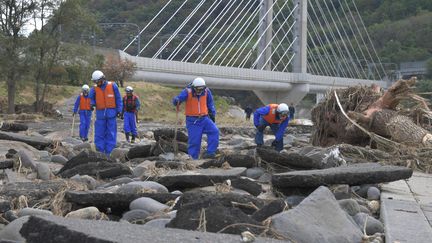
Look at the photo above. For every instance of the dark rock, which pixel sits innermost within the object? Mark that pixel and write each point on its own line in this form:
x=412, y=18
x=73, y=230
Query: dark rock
x=170, y=164
x=202, y=199
x=101, y=170
x=294, y=200
x=248, y=185
x=26, y=160
x=4, y=205
x=10, y=215
x=118, y=202
x=351, y=175
x=362, y=189
x=350, y=206
x=178, y=180
x=58, y=158
x=292, y=160
x=6, y=164
x=83, y=157
x=274, y=207
x=217, y=217
x=216, y=163
x=13, y=127
x=168, y=134
x=37, y=142
x=140, y=151
x=372, y=225
x=135, y=215
x=240, y=160
x=341, y=191
x=119, y=181
x=10, y=154
x=317, y=219
x=166, y=146
x=254, y=172
x=373, y=193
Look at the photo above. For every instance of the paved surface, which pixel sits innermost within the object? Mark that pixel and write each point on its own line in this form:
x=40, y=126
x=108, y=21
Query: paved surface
x=406, y=209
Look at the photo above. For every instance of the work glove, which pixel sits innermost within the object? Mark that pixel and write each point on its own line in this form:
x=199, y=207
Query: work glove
x=119, y=114
x=92, y=108
x=176, y=101
x=212, y=117
x=122, y=116
x=261, y=127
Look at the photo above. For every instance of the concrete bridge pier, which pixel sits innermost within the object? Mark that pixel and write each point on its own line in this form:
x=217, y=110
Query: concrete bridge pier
x=319, y=97
x=295, y=95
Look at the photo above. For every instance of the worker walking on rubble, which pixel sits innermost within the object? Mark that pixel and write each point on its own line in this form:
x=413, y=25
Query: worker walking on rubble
x=108, y=101
x=273, y=115
x=200, y=117
x=82, y=104
x=131, y=105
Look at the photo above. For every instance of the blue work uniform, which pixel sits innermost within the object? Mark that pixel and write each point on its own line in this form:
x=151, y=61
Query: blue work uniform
x=85, y=118
x=106, y=123
x=129, y=125
x=277, y=129
x=197, y=125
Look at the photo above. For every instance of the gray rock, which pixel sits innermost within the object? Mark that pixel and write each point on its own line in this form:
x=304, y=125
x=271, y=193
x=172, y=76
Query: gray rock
x=26, y=159
x=167, y=156
x=265, y=178
x=372, y=225
x=119, y=181
x=318, y=218
x=91, y=213
x=119, y=154
x=12, y=231
x=5, y=205
x=86, y=179
x=341, y=191
x=43, y=171
x=294, y=200
x=373, y=193
x=147, y=204
x=33, y=212
x=151, y=185
x=44, y=155
x=82, y=146
x=350, y=206
x=254, y=172
x=138, y=171
x=58, y=158
x=365, y=210
x=158, y=223
x=135, y=215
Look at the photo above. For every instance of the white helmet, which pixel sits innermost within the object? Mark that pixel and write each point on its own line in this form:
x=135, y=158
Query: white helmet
x=85, y=88
x=198, y=82
x=129, y=89
x=97, y=75
x=282, y=108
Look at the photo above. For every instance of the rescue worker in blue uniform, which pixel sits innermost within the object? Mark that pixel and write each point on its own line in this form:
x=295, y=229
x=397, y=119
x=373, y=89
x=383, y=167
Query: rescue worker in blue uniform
x=108, y=101
x=200, y=117
x=131, y=105
x=82, y=104
x=273, y=115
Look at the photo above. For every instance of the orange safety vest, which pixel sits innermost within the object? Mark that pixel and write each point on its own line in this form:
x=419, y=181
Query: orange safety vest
x=105, y=98
x=271, y=116
x=195, y=107
x=84, y=103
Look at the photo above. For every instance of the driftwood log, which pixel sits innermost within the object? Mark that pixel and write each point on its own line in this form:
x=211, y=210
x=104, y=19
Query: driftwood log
x=373, y=110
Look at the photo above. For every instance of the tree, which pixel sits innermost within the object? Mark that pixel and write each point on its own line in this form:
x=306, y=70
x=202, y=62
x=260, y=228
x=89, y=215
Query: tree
x=45, y=44
x=119, y=70
x=13, y=16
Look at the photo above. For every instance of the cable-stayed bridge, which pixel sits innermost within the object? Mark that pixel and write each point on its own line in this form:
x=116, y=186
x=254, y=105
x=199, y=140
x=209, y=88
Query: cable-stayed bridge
x=280, y=49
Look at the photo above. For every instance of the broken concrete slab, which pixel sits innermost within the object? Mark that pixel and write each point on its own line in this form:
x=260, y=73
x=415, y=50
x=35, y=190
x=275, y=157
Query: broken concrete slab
x=318, y=218
x=352, y=175
x=57, y=229
x=35, y=141
x=178, y=180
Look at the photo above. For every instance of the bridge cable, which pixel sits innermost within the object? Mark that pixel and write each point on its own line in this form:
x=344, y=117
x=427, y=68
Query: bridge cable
x=210, y=44
x=161, y=28
x=195, y=28
x=231, y=32
x=311, y=57
x=338, y=67
x=262, y=34
x=349, y=40
x=286, y=51
x=338, y=48
x=370, y=40
x=312, y=66
x=323, y=47
x=134, y=39
x=352, y=30
x=179, y=29
x=208, y=30
x=239, y=34
x=248, y=39
x=324, y=63
x=342, y=39
x=273, y=36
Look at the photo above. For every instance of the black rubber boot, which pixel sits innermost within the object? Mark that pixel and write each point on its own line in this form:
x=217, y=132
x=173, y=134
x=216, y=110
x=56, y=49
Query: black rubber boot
x=127, y=137
x=133, y=139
